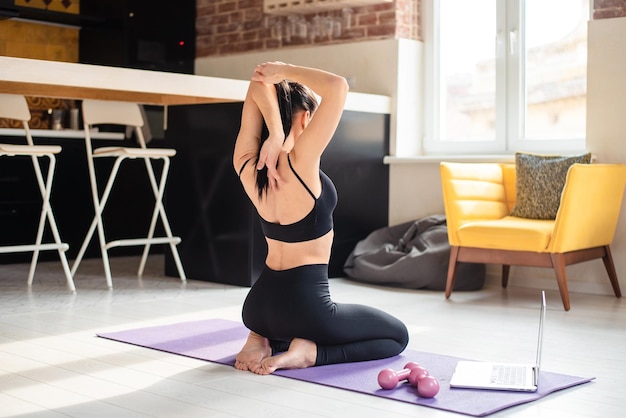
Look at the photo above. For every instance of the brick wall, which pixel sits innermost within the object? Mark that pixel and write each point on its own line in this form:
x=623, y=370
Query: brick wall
x=235, y=26
x=605, y=9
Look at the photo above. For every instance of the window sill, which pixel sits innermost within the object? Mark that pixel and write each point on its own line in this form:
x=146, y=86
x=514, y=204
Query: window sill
x=431, y=159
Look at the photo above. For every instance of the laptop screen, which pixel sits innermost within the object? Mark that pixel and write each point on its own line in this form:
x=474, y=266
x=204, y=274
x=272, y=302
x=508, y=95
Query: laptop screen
x=542, y=318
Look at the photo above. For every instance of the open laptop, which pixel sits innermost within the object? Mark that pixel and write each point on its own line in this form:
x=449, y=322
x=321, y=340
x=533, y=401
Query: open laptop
x=501, y=376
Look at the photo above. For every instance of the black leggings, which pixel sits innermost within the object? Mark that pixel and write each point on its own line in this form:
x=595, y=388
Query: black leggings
x=296, y=303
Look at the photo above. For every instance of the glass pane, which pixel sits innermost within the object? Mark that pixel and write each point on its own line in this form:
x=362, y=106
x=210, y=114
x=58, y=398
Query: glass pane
x=555, y=68
x=468, y=73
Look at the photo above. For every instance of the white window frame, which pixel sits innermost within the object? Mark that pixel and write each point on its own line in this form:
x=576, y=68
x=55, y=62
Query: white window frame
x=509, y=90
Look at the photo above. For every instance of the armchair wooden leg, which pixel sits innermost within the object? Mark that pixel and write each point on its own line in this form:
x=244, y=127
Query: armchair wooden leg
x=610, y=269
x=454, y=253
x=558, y=262
x=505, y=275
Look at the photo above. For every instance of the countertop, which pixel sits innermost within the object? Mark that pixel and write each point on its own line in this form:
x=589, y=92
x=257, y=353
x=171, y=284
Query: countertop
x=31, y=77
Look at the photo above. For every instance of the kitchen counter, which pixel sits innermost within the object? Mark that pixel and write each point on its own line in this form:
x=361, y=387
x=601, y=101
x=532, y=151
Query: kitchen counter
x=65, y=80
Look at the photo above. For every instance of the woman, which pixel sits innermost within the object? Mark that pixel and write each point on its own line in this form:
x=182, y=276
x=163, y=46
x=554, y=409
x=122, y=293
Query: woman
x=292, y=320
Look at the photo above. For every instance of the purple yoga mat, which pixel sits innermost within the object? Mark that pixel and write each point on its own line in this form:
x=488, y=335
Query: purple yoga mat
x=219, y=341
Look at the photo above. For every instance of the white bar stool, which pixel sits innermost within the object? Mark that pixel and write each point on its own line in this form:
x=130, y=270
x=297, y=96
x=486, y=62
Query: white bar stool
x=14, y=106
x=127, y=114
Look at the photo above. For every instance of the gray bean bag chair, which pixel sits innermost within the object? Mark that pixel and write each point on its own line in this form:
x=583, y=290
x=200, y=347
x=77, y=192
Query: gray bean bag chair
x=411, y=255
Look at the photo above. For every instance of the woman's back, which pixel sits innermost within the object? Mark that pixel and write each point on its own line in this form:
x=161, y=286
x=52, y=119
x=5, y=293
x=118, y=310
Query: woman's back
x=284, y=182
x=296, y=217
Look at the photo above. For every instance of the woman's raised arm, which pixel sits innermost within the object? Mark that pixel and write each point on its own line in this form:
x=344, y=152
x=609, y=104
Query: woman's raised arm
x=261, y=104
x=332, y=89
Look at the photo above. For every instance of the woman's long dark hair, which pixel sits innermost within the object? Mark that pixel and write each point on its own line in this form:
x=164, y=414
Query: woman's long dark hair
x=292, y=98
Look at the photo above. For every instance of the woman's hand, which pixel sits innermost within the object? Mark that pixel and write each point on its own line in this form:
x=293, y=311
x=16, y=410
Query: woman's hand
x=268, y=157
x=269, y=72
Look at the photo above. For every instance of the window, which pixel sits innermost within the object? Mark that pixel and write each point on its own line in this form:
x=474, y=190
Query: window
x=505, y=75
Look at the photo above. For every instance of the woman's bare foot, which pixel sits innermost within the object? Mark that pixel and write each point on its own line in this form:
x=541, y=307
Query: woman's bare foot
x=301, y=354
x=253, y=352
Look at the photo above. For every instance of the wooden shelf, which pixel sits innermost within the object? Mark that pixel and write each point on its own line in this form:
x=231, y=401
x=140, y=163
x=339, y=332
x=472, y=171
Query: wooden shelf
x=287, y=7
x=62, y=133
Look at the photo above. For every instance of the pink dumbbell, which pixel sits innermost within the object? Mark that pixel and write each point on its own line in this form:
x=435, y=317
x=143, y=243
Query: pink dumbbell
x=389, y=378
x=427, y=387
x=416, y=374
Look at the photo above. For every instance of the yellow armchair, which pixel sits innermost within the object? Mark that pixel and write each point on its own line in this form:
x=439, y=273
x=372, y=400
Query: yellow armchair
x=479, y=197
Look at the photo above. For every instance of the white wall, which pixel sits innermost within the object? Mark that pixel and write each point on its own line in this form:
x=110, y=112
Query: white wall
x=370, y=66
x=386, y=67
x=606, y=121
x=393, y=68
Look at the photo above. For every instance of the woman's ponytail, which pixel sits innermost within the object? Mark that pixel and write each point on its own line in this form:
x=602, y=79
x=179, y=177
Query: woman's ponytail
x=283, y=93
x=292, y=97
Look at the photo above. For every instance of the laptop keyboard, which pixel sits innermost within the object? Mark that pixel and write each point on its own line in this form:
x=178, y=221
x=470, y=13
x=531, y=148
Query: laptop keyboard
x=509, y=375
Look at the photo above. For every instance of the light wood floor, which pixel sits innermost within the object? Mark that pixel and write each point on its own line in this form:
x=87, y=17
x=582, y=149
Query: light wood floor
x=52, y=365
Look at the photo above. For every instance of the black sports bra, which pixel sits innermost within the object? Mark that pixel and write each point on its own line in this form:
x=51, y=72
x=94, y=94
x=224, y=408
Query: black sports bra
x=315, y=224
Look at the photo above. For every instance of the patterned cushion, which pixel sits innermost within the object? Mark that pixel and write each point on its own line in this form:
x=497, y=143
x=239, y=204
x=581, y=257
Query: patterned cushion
x=539, y=182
